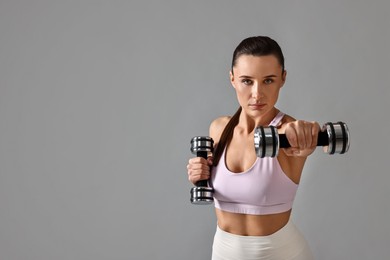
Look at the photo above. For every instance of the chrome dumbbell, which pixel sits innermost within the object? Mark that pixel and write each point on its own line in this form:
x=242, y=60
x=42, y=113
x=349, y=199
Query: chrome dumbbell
x=202, y=194
x=334, y=137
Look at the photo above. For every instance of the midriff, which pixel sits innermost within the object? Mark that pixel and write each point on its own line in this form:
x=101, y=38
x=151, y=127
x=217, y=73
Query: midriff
x=251, y=225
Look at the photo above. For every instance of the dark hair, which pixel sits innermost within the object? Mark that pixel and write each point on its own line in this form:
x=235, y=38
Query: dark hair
x=256, y=46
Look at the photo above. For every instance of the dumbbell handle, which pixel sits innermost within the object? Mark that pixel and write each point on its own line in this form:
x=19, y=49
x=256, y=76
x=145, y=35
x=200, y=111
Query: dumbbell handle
x=323, y=140
x=202, y=183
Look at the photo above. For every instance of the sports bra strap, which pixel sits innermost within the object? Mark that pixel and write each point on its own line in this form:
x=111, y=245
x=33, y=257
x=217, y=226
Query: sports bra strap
x=277, y=119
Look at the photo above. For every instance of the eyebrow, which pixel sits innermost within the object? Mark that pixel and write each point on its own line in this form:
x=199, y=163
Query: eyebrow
x=268, y=76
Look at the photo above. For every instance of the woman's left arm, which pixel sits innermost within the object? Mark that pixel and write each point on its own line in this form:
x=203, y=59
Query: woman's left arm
x=302, y=136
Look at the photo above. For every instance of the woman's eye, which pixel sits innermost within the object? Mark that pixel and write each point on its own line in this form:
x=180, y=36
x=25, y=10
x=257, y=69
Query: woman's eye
x=268, y=81
x=247, y=81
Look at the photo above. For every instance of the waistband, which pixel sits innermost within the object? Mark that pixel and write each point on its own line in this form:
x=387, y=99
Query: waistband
x=286, y=243
x=251, y=209
x=286, y=232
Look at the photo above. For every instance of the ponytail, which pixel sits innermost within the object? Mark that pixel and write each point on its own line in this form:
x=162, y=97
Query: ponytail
x=226, y=136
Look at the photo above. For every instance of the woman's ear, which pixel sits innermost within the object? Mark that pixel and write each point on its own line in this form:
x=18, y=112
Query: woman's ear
x=231, y=75
x=284, y=75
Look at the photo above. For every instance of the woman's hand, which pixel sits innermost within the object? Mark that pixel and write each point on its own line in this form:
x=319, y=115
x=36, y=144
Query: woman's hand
x=302, y=136
x=199, y=169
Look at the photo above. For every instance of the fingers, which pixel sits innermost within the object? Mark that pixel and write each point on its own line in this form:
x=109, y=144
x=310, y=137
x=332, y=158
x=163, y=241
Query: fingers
x=314, y=133
x=198, y=168
x=302, y=136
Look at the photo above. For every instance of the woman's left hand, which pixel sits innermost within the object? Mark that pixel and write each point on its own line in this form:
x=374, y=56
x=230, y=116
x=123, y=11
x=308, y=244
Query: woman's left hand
x=302, y=136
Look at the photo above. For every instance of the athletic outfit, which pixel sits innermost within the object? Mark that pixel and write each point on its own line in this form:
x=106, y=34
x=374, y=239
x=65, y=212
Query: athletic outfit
x=261, y=190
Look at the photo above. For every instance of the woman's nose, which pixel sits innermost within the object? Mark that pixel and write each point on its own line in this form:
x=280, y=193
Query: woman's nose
x=257, y=91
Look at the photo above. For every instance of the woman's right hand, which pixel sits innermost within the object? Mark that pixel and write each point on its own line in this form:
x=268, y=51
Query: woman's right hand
x=198, y=169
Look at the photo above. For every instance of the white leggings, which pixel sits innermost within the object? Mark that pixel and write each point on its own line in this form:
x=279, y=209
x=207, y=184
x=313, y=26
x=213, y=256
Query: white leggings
x=286, y=244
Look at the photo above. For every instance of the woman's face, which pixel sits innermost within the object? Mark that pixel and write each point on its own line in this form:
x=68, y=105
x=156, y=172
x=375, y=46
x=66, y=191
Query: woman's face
x=257, y=81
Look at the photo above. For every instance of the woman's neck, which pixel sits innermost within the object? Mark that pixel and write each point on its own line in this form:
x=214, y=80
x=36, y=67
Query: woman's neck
x=248, y=124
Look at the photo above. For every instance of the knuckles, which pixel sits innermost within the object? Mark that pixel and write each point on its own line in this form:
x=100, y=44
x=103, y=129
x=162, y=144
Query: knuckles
x=300, y=125
x=302, y=134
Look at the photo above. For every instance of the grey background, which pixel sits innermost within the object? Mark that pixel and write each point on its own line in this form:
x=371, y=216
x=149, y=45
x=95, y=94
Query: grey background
x=99, y=100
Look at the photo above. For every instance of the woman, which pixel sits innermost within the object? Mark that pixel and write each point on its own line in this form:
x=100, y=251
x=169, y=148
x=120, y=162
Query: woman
x=253, y=196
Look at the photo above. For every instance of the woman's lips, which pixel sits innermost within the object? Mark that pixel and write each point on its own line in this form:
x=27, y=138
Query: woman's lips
x=257, y=106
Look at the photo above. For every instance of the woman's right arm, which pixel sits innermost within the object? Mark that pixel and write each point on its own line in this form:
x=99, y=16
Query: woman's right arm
x=198, y=168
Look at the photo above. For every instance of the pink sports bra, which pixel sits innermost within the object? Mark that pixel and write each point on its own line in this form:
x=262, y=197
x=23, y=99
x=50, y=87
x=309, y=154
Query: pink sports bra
x=261, y=190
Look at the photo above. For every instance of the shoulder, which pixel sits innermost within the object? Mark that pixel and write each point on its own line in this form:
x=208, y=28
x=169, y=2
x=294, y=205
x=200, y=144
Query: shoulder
x=217, y=126
x=285, y=120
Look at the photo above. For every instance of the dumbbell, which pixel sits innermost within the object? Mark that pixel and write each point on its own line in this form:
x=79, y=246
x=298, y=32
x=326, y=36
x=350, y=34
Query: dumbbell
x=202, y=194
x=334, y=137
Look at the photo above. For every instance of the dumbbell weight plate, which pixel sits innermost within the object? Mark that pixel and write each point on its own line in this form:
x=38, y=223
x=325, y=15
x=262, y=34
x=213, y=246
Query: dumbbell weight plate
x=202, y=195
x=201, y=144
x=338, y=136
x=266, y=141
